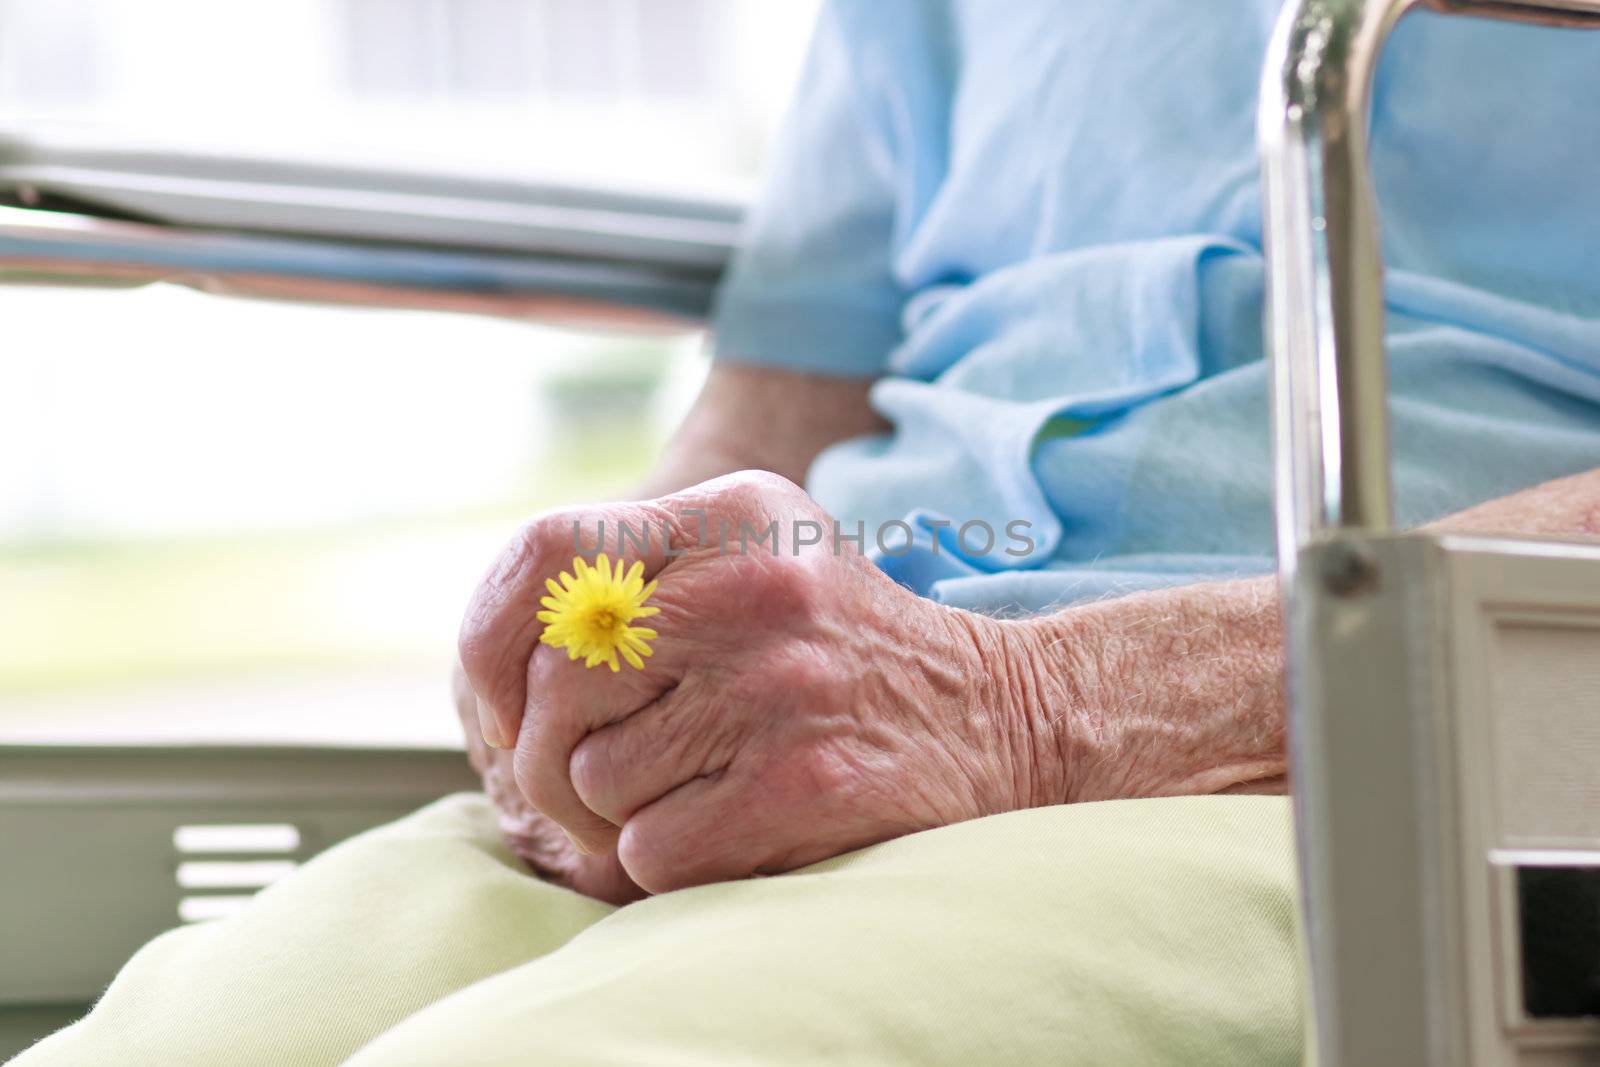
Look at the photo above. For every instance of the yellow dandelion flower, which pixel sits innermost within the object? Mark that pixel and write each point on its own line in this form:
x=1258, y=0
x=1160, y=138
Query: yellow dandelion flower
x=591, y=614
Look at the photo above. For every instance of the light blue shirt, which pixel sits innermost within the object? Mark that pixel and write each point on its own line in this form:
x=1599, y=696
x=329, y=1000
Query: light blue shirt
x=1037, y=223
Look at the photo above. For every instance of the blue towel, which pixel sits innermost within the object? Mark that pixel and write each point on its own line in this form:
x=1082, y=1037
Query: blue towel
x=1037, y=225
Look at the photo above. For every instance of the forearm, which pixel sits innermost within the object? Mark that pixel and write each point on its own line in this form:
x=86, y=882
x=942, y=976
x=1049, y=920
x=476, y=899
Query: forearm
x=1165, y=693
x=757, y=418
x=1181, y=691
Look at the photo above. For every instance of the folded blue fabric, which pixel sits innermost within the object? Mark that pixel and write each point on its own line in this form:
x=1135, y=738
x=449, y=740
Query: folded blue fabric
x=1038, y=225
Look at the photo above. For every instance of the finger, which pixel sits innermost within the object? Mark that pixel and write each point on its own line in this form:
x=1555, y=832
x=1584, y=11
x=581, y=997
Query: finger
x=567, y=701
x=760, y=815
x=560, y=685
x=501, y=628
x=727, y=825
x=706, y=830
x=685, y=734
x=538, y=746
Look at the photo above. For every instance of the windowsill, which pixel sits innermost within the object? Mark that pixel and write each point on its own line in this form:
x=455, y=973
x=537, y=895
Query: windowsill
x=373, y=709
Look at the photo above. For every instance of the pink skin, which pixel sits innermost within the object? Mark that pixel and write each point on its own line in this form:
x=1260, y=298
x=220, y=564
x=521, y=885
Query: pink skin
x=802, y=706
x=796, y=707
x=535, y=839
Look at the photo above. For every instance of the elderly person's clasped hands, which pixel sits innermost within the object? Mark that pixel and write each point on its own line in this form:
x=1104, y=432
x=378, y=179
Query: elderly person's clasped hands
x=798, y=703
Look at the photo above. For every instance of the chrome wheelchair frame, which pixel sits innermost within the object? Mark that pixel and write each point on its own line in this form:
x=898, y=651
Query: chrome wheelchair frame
x=1444, y=691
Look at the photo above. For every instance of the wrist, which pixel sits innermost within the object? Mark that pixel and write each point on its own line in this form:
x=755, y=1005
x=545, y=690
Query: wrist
x=1020, y=691
x=1167, y=693
x=1053, y=668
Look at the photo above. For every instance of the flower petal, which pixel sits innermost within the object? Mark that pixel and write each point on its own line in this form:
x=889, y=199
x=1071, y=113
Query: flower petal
x=590, y=612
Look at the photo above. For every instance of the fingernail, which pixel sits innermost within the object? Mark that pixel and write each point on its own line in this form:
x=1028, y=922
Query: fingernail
x=579, y=845
x=489, y=725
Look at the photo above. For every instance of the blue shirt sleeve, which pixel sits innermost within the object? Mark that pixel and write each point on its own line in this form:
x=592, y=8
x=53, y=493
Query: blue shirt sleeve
x=811, y=287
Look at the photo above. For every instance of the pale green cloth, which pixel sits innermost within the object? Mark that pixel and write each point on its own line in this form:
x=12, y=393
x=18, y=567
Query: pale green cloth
x=1136, y=932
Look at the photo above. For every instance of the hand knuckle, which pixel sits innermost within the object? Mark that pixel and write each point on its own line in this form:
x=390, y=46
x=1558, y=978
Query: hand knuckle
x=753, y=491
x=592, y=770
x=472, y=644
x=641, y=854
x=740, y=497
x=538, y=541
x=818, y=769
x=770, y=482
x=534, y=784
x=542, y=676
x=779, y=587
x=480, y=639
x=799, y=674
x=549, y=538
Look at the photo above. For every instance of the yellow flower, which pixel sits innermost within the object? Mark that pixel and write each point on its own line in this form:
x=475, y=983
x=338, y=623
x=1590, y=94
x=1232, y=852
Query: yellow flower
x=591, y=615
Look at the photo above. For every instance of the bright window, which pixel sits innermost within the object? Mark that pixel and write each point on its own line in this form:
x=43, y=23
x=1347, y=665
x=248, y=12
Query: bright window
x=677, y=94
x=231, y=519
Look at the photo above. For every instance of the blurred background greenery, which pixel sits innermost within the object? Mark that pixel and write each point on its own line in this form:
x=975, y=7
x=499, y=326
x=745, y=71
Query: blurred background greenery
x=229, y=519
x=234, y=520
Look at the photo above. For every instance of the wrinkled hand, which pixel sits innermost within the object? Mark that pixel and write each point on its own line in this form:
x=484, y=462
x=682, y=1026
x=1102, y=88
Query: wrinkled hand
x=536, y=840
x=797, y=705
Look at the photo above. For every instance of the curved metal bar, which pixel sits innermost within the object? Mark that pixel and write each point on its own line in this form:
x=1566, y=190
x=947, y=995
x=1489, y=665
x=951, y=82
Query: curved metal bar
x=1325, y=270
x=91, y=209
x=1325, y=324
x=62, y=249
x=1325, y=284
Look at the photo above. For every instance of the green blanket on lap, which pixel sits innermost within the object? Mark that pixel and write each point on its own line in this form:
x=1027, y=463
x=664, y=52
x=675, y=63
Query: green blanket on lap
x=1135, y=932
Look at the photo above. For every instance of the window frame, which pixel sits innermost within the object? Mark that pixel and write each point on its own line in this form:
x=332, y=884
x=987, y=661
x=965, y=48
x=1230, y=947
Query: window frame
x=86, y=211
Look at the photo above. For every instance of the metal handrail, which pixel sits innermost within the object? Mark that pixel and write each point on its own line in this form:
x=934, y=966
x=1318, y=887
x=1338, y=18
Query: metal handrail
x=66, y=248
x=1324, y=266
x=1325, y=335
x=85, y=212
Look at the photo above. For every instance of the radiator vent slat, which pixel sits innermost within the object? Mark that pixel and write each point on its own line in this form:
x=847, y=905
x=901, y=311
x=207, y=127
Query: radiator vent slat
x=225, y=874
x=246, y=838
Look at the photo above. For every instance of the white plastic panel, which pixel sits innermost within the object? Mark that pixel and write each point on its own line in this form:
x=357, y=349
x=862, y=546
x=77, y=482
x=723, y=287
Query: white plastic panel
x=1546, y=731
x=106, y=847
x=1522, y=645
